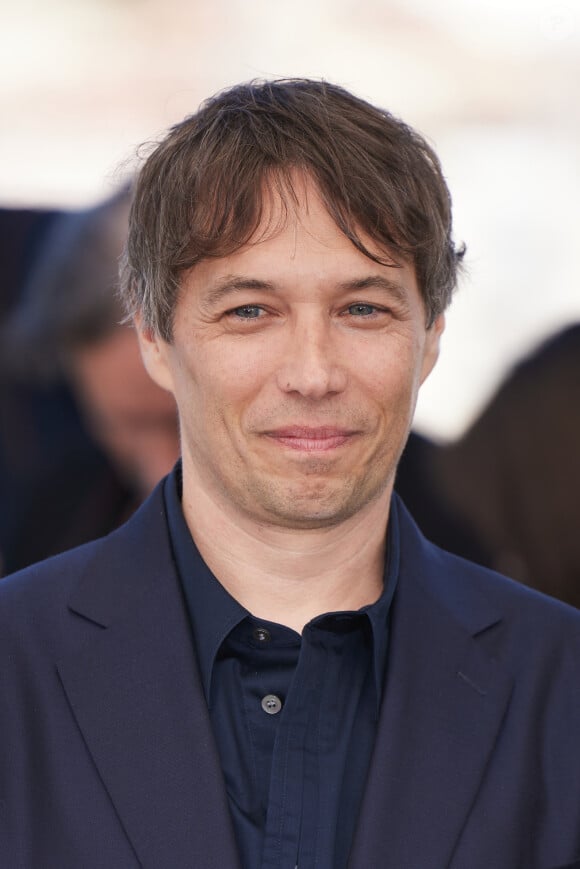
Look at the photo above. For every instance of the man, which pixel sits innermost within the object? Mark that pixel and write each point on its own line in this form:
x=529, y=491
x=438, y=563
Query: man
x=268, y=666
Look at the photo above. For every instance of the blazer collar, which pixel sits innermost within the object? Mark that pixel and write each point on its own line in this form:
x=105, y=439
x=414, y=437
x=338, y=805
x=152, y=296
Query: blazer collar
x=444, y=702
x=135, y=691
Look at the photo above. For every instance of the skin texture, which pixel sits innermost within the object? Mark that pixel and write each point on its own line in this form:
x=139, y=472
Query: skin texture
x=295, y=364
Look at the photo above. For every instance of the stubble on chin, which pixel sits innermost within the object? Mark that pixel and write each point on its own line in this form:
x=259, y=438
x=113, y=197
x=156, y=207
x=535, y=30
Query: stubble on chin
x=308, y=503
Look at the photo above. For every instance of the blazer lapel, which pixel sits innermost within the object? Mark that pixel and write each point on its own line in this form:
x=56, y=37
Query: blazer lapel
x=443, y=706
x=136, y=694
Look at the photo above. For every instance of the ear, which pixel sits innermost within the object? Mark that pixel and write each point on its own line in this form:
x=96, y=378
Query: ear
x=155, y=354
x=432, y=344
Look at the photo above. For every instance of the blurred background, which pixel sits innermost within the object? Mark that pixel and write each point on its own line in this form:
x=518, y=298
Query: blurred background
x=493, y=84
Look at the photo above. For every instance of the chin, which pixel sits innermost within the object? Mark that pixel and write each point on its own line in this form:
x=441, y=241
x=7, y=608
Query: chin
x=306, y=521
x=316, y=504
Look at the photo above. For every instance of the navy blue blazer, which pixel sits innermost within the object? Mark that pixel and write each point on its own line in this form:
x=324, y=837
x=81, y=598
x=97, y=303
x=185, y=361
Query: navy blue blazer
x=106, y=752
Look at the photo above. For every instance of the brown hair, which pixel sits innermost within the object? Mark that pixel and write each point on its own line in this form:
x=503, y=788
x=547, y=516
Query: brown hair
x=200, y=192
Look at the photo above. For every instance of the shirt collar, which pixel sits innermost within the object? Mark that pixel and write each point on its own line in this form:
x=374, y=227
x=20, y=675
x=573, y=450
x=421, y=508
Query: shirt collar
x=378, y=612
x=214, y=612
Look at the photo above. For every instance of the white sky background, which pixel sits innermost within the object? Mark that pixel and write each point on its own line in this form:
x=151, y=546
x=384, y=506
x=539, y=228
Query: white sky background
x=493, y=85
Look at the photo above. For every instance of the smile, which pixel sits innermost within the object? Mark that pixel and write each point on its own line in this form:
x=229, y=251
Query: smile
x=319, y=439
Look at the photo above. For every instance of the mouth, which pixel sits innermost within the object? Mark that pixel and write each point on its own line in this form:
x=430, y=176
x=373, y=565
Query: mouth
x=311, y=439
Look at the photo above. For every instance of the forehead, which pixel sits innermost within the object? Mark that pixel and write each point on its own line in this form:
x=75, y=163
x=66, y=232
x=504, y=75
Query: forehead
x=292, y=202
x=297, y=240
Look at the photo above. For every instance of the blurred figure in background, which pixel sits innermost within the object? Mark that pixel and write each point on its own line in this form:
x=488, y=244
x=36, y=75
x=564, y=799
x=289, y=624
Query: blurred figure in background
x=65, y=334
x=440, y=521
x=515, y=476
x=22, y=234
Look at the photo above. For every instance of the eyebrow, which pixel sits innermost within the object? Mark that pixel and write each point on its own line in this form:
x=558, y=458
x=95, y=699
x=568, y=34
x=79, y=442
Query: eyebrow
x=377, y=282
x=234, y=284
x=238, y=283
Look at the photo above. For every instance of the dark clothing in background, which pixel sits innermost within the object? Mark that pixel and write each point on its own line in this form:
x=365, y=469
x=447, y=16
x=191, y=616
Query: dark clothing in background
x=57, y=489
x=22, y=232
x=514, y=477
x=294, y=717
x=433, y=510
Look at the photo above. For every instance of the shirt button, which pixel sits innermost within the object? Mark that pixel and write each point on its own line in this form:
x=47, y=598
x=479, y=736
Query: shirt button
x=271, y=704
x=262, y=635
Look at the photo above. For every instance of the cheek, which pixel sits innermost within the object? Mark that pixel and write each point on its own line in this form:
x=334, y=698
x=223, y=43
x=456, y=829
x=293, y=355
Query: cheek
x=217, y=385
x=390, y=381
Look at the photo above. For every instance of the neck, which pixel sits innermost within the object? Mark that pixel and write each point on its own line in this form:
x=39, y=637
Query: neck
x=286, y=575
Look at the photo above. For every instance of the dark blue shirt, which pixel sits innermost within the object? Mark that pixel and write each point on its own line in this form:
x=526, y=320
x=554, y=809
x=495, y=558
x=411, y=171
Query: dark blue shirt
x=294, y=716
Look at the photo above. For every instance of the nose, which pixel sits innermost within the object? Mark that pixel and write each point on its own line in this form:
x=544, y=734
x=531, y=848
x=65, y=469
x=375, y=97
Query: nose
x=311, y=365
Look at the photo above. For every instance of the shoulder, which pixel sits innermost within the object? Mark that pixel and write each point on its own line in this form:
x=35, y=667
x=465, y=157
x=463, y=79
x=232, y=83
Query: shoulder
x=478, y=597
x=35, y=621
x=464, y=584
x=44, y=582
x=35, y=602
x=451, y=614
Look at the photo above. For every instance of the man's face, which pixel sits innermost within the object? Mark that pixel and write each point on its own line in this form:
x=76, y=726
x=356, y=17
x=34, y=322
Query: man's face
x=296, y=363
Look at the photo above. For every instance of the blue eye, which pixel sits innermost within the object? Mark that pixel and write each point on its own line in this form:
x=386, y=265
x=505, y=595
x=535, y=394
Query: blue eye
x=247, y=312
x=360, y=310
